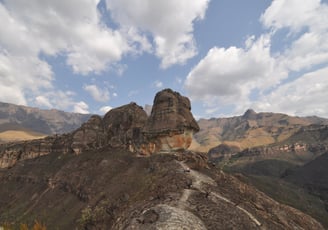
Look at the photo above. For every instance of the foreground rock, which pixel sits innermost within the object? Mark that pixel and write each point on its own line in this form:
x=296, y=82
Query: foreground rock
x=112, y=189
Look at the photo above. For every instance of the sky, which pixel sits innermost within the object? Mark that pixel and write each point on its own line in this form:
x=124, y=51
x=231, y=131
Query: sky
x=227, y=56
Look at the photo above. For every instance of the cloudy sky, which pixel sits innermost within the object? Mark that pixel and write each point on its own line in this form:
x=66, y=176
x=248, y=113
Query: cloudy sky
x=88, y=56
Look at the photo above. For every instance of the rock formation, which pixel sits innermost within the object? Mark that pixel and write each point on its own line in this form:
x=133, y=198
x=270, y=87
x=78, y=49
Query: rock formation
x=123, y=126
x=171, y=125
x=89, y=136
x=169, y=128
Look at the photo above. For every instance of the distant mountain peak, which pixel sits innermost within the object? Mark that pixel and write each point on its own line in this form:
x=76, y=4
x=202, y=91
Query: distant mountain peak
x=250, y=114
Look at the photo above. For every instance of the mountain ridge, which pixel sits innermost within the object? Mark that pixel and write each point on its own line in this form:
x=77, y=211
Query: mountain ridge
x=250, y=129
x=31, y=119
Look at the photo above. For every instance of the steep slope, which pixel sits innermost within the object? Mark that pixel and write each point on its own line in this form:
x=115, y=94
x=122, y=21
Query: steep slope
x=300, y=148
x=250, y=130
x=312, y=176
x=113, y=189
x=293, y=171
x=46, y=122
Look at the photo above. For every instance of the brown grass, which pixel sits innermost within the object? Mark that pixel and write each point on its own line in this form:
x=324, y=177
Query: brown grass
x=17, y=135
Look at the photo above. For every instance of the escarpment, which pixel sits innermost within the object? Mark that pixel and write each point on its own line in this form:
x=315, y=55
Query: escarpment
x=170, y=127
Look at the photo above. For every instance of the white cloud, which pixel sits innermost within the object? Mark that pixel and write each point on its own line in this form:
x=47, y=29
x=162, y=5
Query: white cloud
x=20, y=76
x=256, y=77
x=12, y=95
x=71, y=29
x=158, y=84
x=100, y=95
x=105, y=109
x=229, y=75
x=81, y=107
x=305, y=96
x=63, y=100
x=310, y=48
x=290, y=13
x=169, y=22
x=43, y=101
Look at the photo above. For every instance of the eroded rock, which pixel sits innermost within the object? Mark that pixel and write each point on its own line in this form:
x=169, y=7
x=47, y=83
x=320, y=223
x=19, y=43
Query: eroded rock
x=171, y=124
x=89, y=136
x=123, y=126
x=170, y=127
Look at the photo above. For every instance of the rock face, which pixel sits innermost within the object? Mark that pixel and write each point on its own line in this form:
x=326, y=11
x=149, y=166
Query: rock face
x=171, y=125
x=169, y=128
x=123, y=126
x=89, y=136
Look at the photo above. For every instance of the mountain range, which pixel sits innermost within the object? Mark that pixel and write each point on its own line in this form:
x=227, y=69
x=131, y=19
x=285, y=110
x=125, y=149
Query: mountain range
x=21, y=122
x=250, y=130
x=254, y=171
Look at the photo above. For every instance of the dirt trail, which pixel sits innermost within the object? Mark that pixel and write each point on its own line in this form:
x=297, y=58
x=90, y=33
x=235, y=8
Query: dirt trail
x=198, y=182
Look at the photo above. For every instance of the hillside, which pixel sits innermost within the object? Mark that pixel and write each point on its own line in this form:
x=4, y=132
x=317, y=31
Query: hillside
x=23, y=123
x=250, y=130
x=114, y=189
x=292, y=171
x=312, y=176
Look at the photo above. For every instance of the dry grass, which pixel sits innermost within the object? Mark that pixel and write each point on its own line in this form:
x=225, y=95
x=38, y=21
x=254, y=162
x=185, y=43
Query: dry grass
x=16, y=135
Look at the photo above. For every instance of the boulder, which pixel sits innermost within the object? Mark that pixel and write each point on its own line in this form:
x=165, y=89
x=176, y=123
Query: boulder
x=171, y=124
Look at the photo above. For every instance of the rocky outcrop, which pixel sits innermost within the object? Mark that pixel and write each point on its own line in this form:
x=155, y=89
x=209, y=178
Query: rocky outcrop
x=222, y=151
x=11, y=153
x=169, y=128
x=171, y=125
x=89, y=136
x=123, y=126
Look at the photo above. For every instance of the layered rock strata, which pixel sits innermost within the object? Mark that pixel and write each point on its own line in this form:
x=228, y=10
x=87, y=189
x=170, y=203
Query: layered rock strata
x=169, y=127
x=171, y=124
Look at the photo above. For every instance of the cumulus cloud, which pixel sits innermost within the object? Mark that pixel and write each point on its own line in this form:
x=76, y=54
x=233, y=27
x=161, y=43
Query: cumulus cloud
x=100, y=95
x=229, y=75
x=105, y=109
x=158, y=84
x=255, y=76
x=43, y=101
x=81, y=107
x=72, y=29
x=306, y=95
x=63, y=100
x=309, y=48
x=22, y=75
x=170, y=24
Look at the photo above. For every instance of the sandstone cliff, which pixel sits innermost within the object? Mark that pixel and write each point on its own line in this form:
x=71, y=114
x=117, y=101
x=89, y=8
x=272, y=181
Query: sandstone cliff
x=170, y=127
x=171, y=124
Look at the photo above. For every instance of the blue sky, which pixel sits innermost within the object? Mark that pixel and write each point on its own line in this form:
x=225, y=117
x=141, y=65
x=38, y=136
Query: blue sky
x=227, y=56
